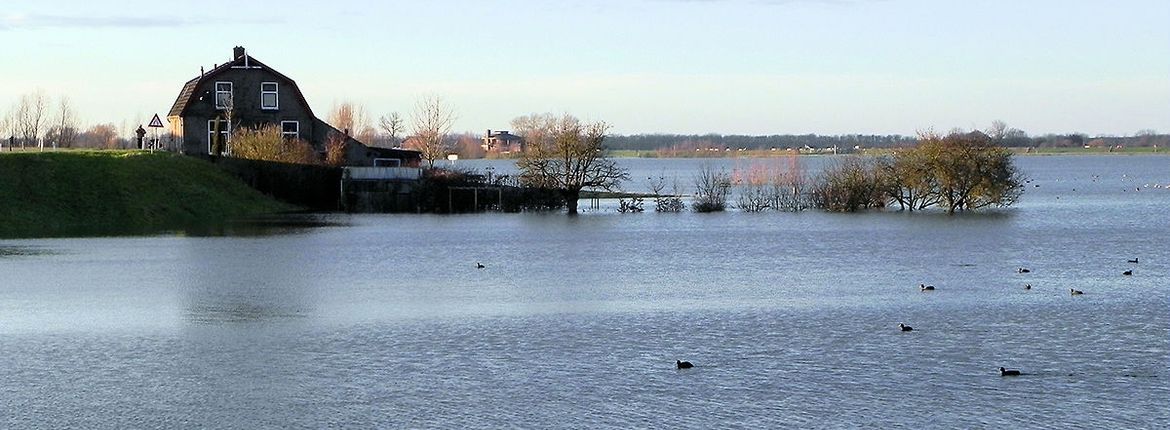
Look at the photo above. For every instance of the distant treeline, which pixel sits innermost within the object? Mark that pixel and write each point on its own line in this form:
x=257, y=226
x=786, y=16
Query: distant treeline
x=683, y=142
x=651, y=142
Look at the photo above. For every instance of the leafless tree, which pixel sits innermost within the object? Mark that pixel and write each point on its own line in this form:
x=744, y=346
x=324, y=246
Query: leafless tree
x=103, y=136
x=665, y=203
x=351, y=118
x=5, y=127
x=432, y=121
x=29, y=118
x=713, y=187
x=227, y=118
x=567, y=155
x=393, y=126
x=997, y=131
x=335, y=149
x=64, y=131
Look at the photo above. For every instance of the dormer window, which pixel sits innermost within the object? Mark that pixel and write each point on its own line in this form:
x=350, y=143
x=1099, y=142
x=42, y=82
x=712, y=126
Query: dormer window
x=223, y=95
x=268, y=96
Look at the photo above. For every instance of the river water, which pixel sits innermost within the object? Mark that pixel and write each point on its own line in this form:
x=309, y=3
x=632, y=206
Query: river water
x=790, y=318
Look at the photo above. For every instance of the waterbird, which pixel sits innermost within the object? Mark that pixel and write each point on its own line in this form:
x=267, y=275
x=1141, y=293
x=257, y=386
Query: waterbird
x=683, y=364
x=478, y=265
x=1127, y=272
x=1027, y=286
x=925, y=287
x=1008, y=372
x=1134, y=261
x=1075, y=292
x=905, y=327
x=1022, y=270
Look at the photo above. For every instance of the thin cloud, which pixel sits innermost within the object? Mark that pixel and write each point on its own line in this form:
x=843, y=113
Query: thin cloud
x=773, y=2
x=16, y=21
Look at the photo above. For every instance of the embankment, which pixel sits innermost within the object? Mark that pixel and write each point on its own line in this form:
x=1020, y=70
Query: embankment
x=82, y=193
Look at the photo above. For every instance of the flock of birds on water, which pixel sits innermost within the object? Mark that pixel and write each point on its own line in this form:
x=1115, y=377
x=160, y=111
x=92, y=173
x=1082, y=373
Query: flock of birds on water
x=680, y=364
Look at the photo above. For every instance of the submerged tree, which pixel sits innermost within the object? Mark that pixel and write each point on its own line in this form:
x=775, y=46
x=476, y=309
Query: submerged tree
x=971, y=171
x=852, y=184
x=912, y=182
x=566, y=155
x=958, y=172
x=711, y=190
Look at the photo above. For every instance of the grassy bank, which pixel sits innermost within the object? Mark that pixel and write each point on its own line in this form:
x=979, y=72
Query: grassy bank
x=115, y=192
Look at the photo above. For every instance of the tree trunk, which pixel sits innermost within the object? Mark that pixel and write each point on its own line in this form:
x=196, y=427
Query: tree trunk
x=571, y=197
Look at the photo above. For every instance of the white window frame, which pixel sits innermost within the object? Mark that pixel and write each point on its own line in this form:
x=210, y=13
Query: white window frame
x=226, y=132
x=290, y=135
x=218, y=92
x=275, y=96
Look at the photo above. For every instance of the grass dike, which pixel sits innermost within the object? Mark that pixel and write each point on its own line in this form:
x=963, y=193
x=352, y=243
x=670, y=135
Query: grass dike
x=96, y=193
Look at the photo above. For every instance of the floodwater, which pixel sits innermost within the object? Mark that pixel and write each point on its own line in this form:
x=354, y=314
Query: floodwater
x=790, y=318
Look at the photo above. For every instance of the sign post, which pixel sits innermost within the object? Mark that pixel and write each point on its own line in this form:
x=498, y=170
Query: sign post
x=155, y=124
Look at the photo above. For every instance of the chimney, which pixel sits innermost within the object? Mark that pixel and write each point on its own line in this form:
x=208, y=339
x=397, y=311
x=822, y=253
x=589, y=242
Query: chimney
x=489, y=134
x=237, y=52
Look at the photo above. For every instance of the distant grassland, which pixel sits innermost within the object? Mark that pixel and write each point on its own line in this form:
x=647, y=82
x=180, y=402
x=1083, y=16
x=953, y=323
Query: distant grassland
x=65, y=193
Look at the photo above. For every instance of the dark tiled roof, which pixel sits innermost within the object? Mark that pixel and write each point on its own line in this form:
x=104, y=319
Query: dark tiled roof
x=505, y=137
x=184, y=99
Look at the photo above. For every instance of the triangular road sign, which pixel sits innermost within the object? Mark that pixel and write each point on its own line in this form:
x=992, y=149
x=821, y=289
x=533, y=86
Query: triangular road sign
x=155, y=122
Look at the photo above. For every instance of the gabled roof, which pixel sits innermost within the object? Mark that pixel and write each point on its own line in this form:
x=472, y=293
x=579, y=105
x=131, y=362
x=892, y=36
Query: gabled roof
x=504, y=136
x=185, y=96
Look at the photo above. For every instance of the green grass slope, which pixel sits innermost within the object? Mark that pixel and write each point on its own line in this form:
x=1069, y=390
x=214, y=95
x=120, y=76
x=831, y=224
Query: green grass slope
x=115, y=192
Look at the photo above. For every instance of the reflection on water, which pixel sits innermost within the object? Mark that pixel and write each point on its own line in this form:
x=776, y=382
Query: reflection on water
x=265, y=226
x=383, y=321
x=14, y=251
x=239, y=313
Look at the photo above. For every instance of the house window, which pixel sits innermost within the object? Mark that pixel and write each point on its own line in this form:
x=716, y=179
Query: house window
x=223, y=95
x=218, y=133
x=290, y=129
x=268, y=93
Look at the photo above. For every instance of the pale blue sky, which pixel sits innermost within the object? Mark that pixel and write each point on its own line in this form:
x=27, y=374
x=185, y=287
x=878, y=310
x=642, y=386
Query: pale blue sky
x=676, y=66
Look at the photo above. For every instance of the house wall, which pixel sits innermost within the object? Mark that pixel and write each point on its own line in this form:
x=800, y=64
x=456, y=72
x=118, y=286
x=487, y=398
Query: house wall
x=195, y=106
x=246, y=110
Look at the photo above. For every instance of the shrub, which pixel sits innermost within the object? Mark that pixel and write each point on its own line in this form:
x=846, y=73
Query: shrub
x=712, y=190
x=267, y=143
x=633, y=205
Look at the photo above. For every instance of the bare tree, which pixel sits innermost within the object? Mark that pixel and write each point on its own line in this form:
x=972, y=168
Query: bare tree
x=64, y=131
x=665, y=203
x=5, y=127
x=335, y=149
x=221, y=131
x=393, y=126
x=352, y=119
x=29, y=118
x=103, y=136
x=567, y=155
x=432, y=120
x=341, y=116
x=713, y=187
x=997, y=131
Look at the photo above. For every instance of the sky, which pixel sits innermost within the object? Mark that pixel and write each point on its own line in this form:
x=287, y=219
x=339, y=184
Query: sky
x=643, y=66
